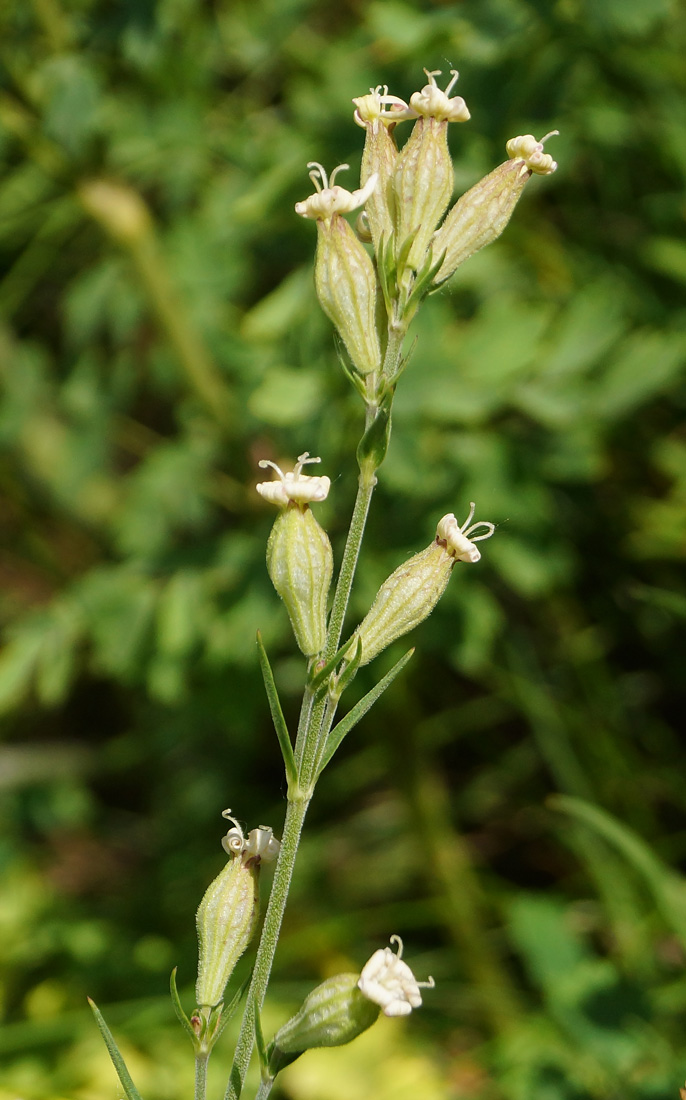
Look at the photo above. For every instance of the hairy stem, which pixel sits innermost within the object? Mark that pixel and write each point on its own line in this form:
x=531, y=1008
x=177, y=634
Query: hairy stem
x=265, y=1088
x=201, y=1060
x=366, y=484
x=295, y=816
x=315, y=722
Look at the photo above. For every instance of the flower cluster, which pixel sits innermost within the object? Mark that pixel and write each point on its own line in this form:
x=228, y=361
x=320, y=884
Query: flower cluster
x=418, y=242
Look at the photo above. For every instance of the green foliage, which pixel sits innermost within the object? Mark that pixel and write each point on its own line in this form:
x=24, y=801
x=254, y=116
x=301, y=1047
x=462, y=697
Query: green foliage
x=148, y=359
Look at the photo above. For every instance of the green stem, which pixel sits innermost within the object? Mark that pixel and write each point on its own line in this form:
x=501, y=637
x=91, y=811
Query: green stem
x=315, y=721
x=265, y=1088
x=295, y=816
x=201, y=1060
x=304, y=723
x=366, y=484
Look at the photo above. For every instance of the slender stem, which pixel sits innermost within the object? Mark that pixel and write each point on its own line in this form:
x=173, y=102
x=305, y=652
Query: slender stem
x=304, y=724
x=201, y=1060
x=266, y=1085
x=295, y=816
x=365, y=489
x=315, y=722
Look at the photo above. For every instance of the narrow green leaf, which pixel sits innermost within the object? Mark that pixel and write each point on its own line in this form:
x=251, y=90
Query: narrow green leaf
x=668, y=888
x=386, y=272
x=323, y=675
x=277, y=715
x=358, y=711
x=178, y=1009
x=350, y=671
x=233, y=1004
x=371, y=450
x=118, y=1062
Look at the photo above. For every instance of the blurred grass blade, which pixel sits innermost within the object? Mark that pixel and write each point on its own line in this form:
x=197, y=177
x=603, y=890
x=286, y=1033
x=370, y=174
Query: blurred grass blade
x=277, y=715
x=358, y=711
x=178, y=1008
x=667, y=887
x=123, y=1074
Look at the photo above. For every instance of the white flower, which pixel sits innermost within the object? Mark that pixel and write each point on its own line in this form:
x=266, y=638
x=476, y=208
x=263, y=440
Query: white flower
x=260, y=845
x=388, y=981
x=431, y=102
x=528, y=149
x=382, y=107
x=458, y=542
x=329, y=198
x=294, y=486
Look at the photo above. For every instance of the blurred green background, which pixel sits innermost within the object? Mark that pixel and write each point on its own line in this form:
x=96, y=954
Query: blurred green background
x=159, y=333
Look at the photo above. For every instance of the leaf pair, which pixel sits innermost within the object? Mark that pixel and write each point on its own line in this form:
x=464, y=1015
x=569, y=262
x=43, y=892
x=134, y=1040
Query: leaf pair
x=321, y=677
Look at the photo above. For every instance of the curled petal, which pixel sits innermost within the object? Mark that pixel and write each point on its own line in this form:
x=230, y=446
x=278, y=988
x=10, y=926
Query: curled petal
x=388, y=982
x=294, y=486
x=527, y=148
x=379, y=106
x=431, y=102
x=330, y=198
x=457, y=539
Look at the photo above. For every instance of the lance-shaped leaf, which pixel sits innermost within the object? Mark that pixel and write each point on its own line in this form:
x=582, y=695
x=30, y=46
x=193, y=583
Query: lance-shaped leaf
x=118, y=1062
x=178, y=1009
x=358, y=711
x=277, y=715
x=322, y=675
x=371, y=450
x=348, y=673
x=230, y=1010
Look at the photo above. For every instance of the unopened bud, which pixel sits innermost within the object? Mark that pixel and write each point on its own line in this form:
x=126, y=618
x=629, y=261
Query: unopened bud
x=299, y=555
x=481, y=214
x=410, y=594
x=228, y=913
x=424, y=179
x=378, y=113
x=343, y=272
x=332, y=1014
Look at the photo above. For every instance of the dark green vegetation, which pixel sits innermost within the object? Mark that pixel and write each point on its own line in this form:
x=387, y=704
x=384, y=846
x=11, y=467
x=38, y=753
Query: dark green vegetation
x=151, y=354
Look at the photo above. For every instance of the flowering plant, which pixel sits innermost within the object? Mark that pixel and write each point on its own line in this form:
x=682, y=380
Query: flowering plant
x=371, y=296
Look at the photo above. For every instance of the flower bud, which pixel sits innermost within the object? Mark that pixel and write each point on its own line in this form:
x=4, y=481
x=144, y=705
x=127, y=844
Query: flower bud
x=343, y=272
x=378, y=114
x=423, y=181
x=332, y=1014
x=228, y=913
x=410, y=594
x=481, y=214
x=345, y=282
x=299, y=555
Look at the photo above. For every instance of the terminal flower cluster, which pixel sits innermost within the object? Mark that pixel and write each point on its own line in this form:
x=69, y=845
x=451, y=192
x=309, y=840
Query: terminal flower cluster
x=404, y=198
